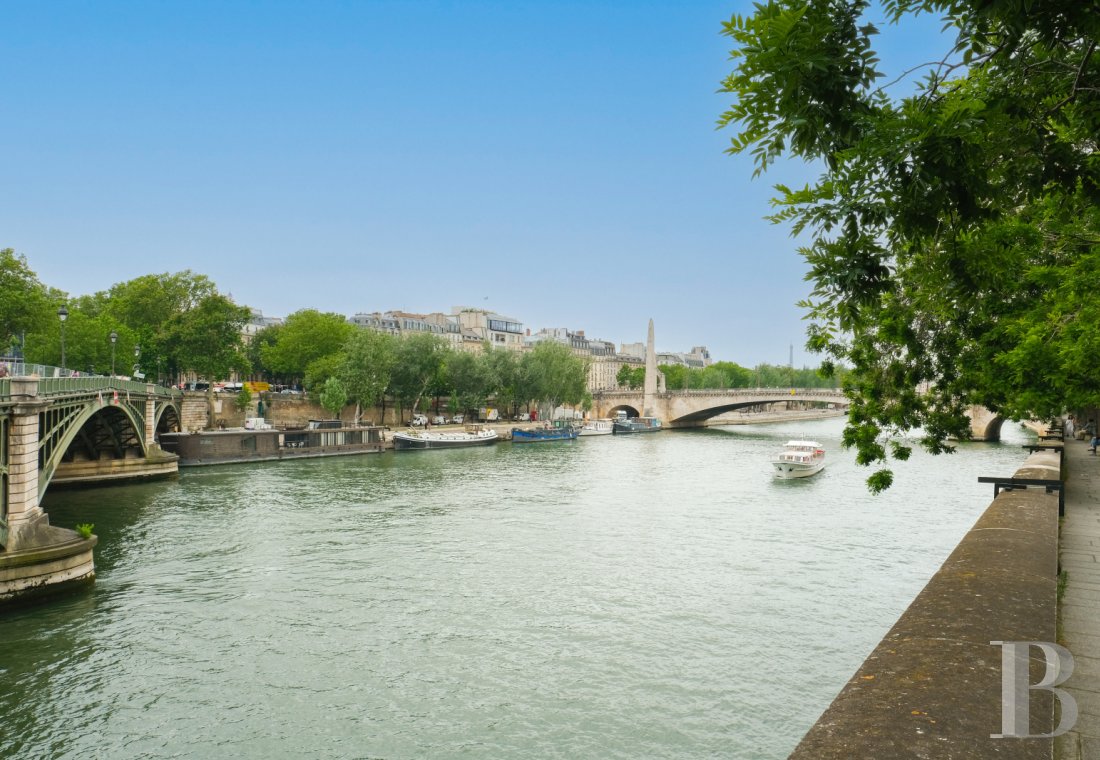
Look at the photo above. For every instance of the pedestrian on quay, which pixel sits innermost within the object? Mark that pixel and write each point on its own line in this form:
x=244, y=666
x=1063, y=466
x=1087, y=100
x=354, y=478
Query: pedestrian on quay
x=1069, y=427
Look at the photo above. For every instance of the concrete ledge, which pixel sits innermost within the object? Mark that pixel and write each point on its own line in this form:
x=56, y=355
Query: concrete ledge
x=63, y=563
x=932, y=687
x=87, y=472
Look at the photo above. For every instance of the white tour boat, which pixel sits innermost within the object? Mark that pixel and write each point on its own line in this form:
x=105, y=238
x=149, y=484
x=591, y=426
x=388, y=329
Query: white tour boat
x=799, y=459
x=596, y=427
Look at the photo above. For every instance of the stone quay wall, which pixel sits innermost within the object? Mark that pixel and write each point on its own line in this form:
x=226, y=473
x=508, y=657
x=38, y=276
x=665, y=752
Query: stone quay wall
x=933, y=687
x=281, y=411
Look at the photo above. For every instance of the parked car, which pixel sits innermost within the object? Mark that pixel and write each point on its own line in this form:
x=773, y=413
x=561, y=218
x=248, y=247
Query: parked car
x=458, y=419
x=439, y=419
x=524, y=417
x=418, y=420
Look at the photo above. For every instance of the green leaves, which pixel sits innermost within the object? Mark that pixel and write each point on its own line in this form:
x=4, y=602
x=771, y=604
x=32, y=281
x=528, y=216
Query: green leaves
x=307, y=336
x=24, y=304
x=207, y=338
x=802, y=79
x=954, y=233
x=333, y=396
x=367, y=366
x=555, y=375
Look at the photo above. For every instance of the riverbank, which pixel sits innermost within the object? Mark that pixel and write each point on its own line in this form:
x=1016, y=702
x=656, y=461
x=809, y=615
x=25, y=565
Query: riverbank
x=504, y=428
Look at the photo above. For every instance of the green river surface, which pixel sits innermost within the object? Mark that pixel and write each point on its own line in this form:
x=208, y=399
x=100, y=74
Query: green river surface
x=655, y=596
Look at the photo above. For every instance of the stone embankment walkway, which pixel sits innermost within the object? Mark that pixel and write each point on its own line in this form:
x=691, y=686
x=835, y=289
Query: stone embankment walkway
x=1079, y=610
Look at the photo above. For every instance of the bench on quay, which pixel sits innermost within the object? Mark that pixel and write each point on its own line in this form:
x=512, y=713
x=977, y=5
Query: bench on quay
x=1012, y=484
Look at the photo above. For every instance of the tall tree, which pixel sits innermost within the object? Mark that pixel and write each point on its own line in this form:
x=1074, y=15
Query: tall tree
x=333, y=396
x=207, y=340
x=506, y=379
x=305, y=337
x=367, y=369
x=261, y=341
x=420, y=357
x=955, y=232
x=24, y=302
x=143, y=308
x=470, y=379
x=557, y=376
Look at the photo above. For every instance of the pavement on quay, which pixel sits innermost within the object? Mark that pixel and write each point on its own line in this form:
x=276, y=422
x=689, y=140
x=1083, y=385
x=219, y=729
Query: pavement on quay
x=1079, y=608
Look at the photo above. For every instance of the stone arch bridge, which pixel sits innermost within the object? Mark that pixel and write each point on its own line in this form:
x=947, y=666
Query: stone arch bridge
x=692, y=408
x=75, y=430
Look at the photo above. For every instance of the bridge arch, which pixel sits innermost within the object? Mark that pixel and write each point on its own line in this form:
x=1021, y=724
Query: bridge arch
x=630, y=411
x=700, y=415
x=984, y=424
x=690, y=408
x=90, y=429
x=167, y=420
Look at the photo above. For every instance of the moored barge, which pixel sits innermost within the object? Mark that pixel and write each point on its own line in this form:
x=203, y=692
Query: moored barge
x=247, y=445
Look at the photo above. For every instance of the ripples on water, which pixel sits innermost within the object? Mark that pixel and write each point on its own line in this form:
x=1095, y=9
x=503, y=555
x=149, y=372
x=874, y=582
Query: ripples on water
x=648, y=596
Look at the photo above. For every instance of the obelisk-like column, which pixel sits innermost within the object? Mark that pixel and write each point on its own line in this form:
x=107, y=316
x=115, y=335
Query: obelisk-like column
x=649, y=399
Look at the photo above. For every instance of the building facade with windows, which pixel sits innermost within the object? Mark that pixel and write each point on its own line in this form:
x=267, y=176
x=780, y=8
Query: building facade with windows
x=495, y=329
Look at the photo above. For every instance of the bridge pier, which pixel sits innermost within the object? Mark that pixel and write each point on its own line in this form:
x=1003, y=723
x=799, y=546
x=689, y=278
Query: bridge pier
x=984, y=424
x=150, y=416
x=36, y=558
x=25, y=517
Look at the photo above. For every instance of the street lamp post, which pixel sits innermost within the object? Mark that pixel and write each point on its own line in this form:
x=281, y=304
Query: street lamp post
x=137, y=353
x=62, y=314
x=114, y=340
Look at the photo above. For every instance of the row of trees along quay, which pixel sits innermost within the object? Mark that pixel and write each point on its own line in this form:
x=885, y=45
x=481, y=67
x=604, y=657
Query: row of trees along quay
x=183, y=324
x=954, y=227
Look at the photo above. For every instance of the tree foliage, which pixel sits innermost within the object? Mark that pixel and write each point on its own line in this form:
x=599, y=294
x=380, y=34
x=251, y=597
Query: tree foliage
x=420, y=359
x=333, y=396
x=307, y=336
x=142, y=311
x=368, y=361
x=243, y=399
x=556, y=376
x=24, y=302
x=207, y=340
x=731, y=375
x=151, y=311
x=954, y=232
x=630, y=377
x=507, y=381
x=470, y=379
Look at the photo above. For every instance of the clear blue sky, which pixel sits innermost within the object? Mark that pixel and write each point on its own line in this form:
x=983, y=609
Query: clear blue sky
x=553, y=161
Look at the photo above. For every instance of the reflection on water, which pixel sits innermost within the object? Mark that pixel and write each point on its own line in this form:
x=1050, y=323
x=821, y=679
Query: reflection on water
x=640, y=596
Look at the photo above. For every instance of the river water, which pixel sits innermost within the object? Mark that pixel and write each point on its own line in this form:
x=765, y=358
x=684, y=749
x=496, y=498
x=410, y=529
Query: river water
x=620, y=597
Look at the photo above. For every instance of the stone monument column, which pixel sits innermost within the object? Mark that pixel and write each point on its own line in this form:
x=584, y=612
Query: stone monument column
x=26, y=520
x=649, y=399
